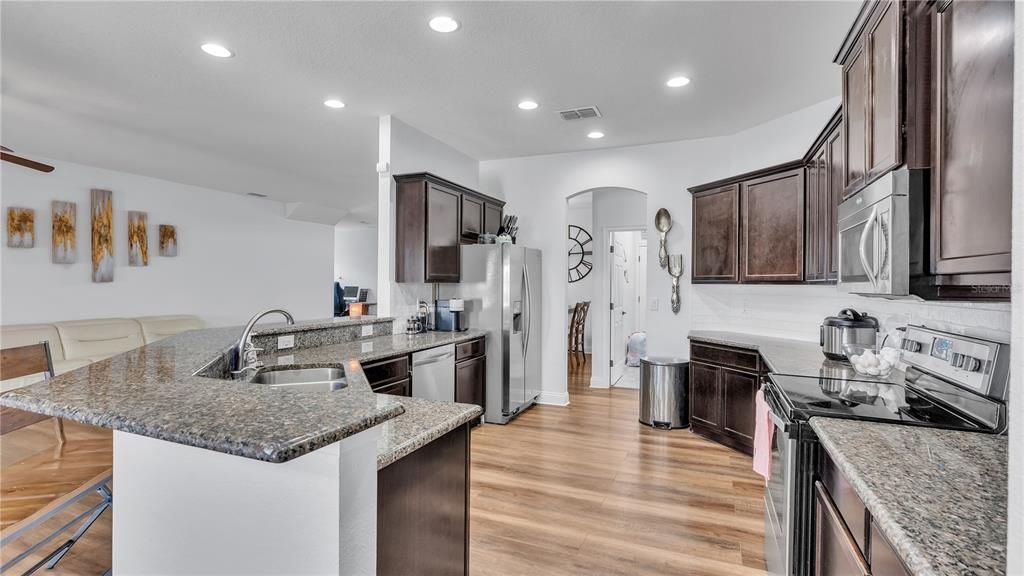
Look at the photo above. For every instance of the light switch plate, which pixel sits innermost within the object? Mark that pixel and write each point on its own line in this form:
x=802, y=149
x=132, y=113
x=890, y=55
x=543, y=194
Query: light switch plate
x=285, y=360
x=367, y=346
x=368, y=330
x=653, y=305
x=285, y=342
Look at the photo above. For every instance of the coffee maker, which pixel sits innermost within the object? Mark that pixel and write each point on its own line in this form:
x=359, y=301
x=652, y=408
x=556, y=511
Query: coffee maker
x=449, y=315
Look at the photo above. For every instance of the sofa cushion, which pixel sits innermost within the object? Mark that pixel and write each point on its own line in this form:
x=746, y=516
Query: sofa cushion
x=159, y=327
x=28, y=334
x=98, y=339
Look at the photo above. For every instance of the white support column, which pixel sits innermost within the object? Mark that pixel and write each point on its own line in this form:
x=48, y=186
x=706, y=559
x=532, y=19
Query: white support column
x=385, y=219
x=184, y=510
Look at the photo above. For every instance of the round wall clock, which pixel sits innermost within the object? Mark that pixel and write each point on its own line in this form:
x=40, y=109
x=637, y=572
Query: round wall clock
x=580, y=250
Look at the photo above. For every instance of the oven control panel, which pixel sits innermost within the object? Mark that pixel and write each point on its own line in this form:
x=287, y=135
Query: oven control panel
x=976, y=364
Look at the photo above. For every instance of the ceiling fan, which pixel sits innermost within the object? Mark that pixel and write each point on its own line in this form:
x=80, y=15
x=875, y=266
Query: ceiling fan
x=8, y=156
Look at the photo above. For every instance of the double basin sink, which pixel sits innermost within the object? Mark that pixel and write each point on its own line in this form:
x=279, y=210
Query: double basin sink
x=305, y=379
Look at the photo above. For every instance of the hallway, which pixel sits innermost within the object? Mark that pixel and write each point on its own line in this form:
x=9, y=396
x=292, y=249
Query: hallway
x=586, y=489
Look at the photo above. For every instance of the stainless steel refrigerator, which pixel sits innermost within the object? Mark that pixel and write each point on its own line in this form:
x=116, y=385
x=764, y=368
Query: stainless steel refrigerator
x=501, y=285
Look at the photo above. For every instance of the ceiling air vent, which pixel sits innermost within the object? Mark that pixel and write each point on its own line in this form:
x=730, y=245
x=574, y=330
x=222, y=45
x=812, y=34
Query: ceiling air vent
x=580, y=113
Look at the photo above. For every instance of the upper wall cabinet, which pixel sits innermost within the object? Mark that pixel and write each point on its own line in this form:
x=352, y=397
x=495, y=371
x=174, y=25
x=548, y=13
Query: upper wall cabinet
x=750, y=228
x=824, y=189
x=871, y=57
x=716, y=214
x=433, y=217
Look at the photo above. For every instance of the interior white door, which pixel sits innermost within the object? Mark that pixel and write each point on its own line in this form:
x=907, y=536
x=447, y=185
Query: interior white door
x=621, y=285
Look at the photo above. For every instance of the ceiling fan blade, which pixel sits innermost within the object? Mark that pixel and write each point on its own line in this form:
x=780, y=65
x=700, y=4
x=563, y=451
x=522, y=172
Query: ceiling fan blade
x=25, y=162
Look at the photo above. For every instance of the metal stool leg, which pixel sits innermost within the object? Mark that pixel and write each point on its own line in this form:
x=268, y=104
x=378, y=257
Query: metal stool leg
x=60, y=552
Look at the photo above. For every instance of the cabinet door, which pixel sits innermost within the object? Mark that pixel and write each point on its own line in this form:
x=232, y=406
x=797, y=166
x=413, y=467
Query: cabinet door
x=834, y=159
x=470, y=377
x=885, y=124
x=818, y=211
x=492, y=218
x=971, y=191
x=715, y=227
x=812, y=265
x=884, y=561
x=705, y=395
x=855, y=124
x=835, y=551
x=472, y=217
x=442, y=257
x=738, y=391
x=772, y=228
x=399, y=388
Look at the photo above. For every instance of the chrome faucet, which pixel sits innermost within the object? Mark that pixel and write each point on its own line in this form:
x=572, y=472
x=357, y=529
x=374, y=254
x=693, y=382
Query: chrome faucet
x=245, y=352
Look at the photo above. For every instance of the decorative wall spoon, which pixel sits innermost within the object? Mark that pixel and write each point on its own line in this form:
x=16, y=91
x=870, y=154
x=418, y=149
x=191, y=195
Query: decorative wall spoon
x=675, y=270
x=663, y=222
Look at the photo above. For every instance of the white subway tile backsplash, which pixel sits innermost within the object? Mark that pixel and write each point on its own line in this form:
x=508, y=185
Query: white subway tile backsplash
x=797, y=311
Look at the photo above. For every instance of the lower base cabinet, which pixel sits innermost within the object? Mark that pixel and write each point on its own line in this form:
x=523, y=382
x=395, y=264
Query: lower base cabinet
x=423, y=510
x=723, y=383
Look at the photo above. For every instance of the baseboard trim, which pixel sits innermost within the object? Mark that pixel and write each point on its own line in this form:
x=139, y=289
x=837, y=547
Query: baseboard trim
x=553, y=398
x=598, y=382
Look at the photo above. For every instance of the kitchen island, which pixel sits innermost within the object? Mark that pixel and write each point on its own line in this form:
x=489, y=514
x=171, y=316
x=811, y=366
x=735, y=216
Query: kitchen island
x=215, y=475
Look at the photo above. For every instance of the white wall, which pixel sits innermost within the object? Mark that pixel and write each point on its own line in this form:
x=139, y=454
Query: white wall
x=536, y=187
x=355, y=258
x=583, y=290
x=236, y=255
x=408, y=150
x=1015, y=561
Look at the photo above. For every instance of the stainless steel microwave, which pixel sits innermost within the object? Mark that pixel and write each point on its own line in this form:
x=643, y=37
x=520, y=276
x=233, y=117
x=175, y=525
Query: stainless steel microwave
x=874, y=238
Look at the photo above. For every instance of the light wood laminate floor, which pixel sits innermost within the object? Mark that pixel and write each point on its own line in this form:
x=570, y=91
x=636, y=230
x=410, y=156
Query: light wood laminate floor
x=582, y=489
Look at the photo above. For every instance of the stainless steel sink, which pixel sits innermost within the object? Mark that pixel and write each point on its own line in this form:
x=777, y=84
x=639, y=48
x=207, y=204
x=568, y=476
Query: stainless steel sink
x=311, y=379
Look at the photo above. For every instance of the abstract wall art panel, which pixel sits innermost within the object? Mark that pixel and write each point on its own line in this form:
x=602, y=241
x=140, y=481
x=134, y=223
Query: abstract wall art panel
x=102, y=236
x=65, y=232
x=21, y=227
x=138, y=240
x=168, y=240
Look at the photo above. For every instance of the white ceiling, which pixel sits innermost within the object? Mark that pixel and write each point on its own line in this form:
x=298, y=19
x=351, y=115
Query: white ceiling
x=125, y=86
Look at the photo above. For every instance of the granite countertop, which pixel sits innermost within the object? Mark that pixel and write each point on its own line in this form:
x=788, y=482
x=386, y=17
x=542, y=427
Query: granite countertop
x=938, y=496
x=785, y=356
x=151, y=391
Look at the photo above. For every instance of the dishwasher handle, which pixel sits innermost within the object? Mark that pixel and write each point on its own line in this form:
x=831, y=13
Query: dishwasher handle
x=432, y=359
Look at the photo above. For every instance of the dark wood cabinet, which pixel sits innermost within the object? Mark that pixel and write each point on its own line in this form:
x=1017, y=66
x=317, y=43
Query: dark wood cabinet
x=492, y=218
x=884, y=561
x=389, y=376
x=715, y=228
x=472, y=218
x=723, y=384
x=772, y=228
x=871, y=57
x=470, y=376
x=835, y=551
x=423, y=509
x=823, y=191
x=973, y=127
x=433, y=217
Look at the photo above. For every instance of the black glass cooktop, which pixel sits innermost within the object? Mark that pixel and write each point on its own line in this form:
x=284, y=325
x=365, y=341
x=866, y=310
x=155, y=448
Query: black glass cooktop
x=863, y=400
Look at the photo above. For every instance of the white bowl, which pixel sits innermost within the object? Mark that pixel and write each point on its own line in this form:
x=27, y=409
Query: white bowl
x=869, y=361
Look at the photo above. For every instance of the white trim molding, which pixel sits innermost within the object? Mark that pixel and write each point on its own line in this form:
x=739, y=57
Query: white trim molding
x=553, y=398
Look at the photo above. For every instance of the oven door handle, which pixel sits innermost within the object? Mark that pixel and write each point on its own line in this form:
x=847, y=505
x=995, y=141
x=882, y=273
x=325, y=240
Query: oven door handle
x=868, y=225
x=773, y=411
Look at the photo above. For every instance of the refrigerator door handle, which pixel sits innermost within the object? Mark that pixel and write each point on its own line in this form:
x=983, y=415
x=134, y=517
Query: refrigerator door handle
x=529, y=309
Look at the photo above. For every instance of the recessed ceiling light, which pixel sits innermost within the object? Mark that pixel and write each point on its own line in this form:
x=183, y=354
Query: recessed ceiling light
x=334, y=103
x=528, y=105
x=595, y=135
x=677, y=82
x=217, y=50
x=444, y=24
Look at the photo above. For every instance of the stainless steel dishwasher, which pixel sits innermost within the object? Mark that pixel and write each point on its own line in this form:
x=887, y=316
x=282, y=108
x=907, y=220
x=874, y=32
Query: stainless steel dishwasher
x=433, y=373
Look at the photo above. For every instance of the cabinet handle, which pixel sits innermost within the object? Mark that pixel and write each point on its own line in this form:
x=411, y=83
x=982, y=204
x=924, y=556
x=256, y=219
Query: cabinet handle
x=837, y=519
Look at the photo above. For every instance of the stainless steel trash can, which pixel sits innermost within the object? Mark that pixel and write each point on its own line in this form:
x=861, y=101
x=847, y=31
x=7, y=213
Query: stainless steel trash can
x=664, y=392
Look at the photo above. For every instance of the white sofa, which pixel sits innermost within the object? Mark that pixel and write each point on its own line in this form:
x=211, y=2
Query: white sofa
x=78, y=343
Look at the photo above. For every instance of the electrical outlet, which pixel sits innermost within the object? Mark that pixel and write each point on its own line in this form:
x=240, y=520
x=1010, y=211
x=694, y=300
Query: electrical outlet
x=286, y=342
x=285, y=360
x=653, y=305
x=368, y=330
x=367, y=346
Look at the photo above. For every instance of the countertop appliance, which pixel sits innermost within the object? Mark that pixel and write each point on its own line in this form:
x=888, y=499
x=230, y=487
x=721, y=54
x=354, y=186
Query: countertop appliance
x=501, y=286
x=951, y=381
x=448, y=315
x=433, y=373
x=849, y=327
x=877, y=248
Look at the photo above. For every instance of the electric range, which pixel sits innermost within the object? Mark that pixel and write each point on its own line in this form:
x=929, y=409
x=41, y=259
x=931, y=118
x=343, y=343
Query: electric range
x=950, y=381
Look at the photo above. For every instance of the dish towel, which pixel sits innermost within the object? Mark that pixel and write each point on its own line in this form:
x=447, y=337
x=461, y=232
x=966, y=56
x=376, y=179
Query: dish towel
x=764, y=428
